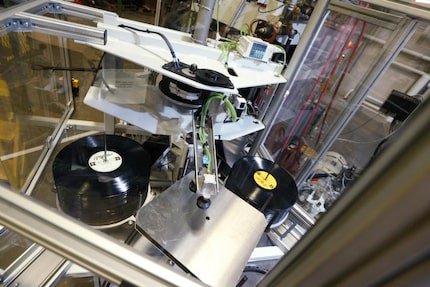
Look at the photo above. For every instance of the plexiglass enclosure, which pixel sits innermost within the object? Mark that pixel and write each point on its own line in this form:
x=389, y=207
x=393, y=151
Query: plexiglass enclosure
x=362, y=76
x=358, y=72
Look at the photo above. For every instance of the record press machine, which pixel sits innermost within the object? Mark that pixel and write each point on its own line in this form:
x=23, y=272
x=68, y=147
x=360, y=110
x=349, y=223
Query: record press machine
x=192, y=211
x=130, y=151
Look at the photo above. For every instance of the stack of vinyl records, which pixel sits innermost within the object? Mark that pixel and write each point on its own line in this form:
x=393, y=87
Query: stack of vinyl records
x=101, y=179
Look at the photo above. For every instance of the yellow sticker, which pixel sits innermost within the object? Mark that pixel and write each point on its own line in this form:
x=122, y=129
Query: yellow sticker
x=265, y=180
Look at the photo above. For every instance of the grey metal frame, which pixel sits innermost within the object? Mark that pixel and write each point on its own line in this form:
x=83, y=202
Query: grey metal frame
x=394, y=45
x=84, y=246
x=24, y=21
x=403, y=28
x=377, y=233
x=290, y=73
x=37, y=266
x=27, y=17
x=403, y=8
x=117, y=262
x=322, y=8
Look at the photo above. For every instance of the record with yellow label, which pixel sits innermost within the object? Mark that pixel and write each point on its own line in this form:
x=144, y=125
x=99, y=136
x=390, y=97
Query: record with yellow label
x=262, y=183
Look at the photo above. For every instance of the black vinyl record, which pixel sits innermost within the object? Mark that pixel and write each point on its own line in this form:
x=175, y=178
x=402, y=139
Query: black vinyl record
x=99, y=185
x=263, y=184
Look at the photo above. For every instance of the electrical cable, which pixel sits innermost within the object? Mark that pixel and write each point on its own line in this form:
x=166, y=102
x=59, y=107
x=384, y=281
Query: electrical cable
x=308, y=101
x=284, y=62
x=361, y=125
x=256, y=269
x=226, y=47
x=367, y=142
x=202, y=135
x=349, y=62
x=270, y=11
x=248, y=30
x=169, y=45
x=292, y=156
x=242, y=281
x=331, y=76
x=99, y=67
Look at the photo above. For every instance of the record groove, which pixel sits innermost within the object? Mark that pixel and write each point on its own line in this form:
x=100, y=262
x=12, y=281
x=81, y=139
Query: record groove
x=99, y=189
x=263, y=184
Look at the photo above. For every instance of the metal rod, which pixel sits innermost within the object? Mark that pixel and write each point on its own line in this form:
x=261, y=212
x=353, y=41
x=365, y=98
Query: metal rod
x=375, y=214
x=29, y=22
x=237, y=13
x=105, y=150
x=89, y=248
x=393, y=47
x=405, y=9
x=292, y=71
x=204, y=17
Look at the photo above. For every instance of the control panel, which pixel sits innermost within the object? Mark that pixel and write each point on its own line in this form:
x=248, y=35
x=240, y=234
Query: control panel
x=255, y=48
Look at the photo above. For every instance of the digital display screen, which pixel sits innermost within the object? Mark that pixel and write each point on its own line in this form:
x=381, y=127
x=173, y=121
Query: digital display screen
x=258, y=50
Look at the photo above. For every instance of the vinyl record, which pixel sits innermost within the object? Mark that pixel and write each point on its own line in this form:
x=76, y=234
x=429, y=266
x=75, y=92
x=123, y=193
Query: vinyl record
x=181, y=93
x=263, y=184
x=98, y=187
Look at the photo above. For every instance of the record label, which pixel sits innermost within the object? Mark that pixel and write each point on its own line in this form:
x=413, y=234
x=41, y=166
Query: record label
x=105, y=161
x=262, y=183
x=265, y=180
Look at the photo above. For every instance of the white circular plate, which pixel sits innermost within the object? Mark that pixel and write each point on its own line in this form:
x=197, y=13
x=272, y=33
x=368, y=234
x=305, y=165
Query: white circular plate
x=102, y=162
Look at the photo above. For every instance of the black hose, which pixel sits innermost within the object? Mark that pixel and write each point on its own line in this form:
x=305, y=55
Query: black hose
x=169, y=45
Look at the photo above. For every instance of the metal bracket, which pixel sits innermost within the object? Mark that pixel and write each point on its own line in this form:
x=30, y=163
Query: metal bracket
x=55, y=8
x=27, y=22
x=36, y=267
x=18, y=25
x=33, y=19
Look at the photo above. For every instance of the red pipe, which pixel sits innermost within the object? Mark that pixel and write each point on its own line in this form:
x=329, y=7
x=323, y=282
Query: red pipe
x=307, y=102
x=353, y=53
x=331, y=77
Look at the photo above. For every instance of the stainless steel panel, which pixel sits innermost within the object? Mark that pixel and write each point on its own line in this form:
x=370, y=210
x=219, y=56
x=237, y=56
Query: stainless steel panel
x=87, y=247
x=214, y=244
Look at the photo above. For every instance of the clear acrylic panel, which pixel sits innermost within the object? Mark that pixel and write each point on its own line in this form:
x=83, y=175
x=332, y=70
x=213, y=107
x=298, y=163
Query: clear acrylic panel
x=336, y=64
x=33, y=100
x=311, y=137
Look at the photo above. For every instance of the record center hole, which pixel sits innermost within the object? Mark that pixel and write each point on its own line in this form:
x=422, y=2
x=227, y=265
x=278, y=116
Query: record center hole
x=208, y=218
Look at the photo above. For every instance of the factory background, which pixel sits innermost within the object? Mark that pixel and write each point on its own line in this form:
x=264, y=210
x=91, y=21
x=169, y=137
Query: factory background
x=299, y=126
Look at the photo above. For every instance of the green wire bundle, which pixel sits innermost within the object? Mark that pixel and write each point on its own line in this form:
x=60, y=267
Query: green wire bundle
x=202, y=135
